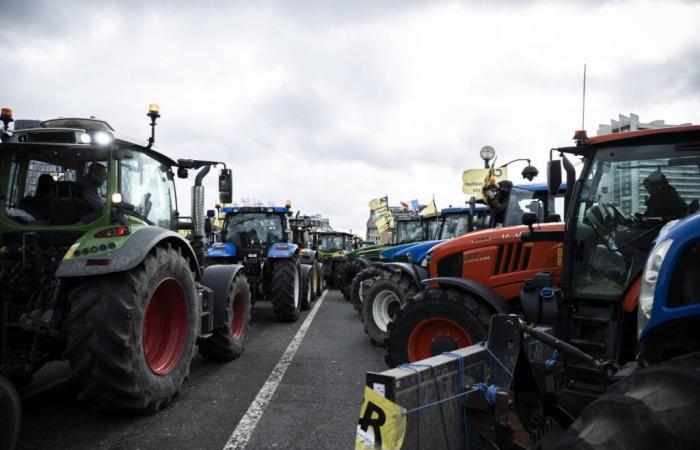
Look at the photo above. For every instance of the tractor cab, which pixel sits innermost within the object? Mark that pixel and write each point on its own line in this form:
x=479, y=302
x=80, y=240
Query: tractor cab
x=252, y=232
x=414, y=228
x=631, y=186
x=334, y=243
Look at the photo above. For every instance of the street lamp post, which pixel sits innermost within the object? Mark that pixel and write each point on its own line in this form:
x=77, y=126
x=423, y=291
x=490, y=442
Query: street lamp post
x=487, y=153
x=529, y=172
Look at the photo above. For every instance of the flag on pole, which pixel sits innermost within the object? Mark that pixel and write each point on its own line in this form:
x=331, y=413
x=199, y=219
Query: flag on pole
x=429, y=210
x=404, y=204
x=414, y=205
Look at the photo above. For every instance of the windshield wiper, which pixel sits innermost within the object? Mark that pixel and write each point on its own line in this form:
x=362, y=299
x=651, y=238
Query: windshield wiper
x=242, y=221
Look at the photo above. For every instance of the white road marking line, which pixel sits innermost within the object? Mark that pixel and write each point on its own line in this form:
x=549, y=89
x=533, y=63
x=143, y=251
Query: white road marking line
x=244, y=430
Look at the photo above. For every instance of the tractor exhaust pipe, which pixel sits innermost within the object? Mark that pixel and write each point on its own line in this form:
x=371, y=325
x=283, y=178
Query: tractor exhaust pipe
x=198, y=214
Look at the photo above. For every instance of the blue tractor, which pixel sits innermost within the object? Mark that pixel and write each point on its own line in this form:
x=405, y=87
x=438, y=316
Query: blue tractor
x=258, y=237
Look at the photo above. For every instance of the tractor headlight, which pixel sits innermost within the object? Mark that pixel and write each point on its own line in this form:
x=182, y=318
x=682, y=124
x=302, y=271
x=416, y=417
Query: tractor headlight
x=648, y=286
x=103, y=138
x=85, y=138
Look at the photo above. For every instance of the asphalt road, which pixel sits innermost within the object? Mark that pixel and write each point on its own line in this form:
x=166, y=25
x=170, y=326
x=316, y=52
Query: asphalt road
x=314, y=406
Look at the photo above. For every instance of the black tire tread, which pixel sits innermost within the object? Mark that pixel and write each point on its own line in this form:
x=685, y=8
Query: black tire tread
x=428, y=303
x=10, y=415
x=221, y=345
x=398, y=280
x=282, y=290
x=347, y=274
x=102, y=347
x=368, y=275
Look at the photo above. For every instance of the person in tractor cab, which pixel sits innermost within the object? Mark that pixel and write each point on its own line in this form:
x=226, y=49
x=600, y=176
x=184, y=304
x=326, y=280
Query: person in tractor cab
x=663, y=200
x=497, y=199
x=96, y=177
x=38, y=204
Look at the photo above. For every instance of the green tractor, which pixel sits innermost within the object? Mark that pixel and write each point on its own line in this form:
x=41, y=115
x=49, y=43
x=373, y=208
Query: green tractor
x=408, y=228
x=94, y=271
x=333, y=247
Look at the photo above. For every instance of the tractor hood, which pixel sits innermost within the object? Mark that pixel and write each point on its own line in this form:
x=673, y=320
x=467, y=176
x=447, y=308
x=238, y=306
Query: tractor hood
x=389, y=254
x=222, y=250
x=416, y=253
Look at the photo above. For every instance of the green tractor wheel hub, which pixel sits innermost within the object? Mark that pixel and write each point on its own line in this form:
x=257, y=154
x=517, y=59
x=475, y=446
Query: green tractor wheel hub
x=385, y=305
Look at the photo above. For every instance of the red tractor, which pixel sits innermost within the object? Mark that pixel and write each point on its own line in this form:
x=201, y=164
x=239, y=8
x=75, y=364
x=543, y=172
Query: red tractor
x=470, y=279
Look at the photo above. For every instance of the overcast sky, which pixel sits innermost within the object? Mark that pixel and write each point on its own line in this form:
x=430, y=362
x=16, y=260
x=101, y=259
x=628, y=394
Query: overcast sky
x=331, y=104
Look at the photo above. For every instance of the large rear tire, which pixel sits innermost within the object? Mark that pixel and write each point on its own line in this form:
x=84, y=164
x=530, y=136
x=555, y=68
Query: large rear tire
x=307, y=291
x=361, y=284
x=10, y=415
x=285, y=289
x=348, y=273
x=433, y=322
x=383, y=300
x=228, y=341
x=131, y=335
x=656, y=407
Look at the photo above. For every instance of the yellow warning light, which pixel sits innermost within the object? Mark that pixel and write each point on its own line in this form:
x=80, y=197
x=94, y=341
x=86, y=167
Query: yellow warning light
x=154, y=108
x=288, y=204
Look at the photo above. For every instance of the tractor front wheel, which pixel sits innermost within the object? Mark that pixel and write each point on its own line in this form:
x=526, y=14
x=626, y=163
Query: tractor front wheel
x=131, y=335
x=285, y=288
x=361, y=284
x=228, y=341
x=433, y=322
x=382, y=301
x=10, y=414
x=318, y=279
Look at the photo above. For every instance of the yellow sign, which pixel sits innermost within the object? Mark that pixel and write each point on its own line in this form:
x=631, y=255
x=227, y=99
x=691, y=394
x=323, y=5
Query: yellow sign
x=474, y=180
x=381, y=424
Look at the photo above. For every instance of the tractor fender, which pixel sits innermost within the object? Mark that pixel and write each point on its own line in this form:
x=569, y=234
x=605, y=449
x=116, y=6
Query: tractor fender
x=307, y=257
x=414, y=272
x=474, y=287
x=280, y=250
x=218, y=278
x=127, y=256
x=366, y=262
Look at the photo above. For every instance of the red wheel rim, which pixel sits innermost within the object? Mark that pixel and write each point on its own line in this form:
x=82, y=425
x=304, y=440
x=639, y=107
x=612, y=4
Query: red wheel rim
x=434, y=336
x=165, y=326
x=238, y=321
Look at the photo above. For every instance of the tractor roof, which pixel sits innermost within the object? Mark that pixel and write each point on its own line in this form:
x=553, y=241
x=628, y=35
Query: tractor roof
x=255, y=209
x=66, y=133
x=447, y=211
x=630, y=137
x=538, y=187
x=335, y=233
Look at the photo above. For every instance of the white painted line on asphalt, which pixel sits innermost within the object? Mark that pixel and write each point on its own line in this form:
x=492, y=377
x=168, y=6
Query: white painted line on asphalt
x=244, y=430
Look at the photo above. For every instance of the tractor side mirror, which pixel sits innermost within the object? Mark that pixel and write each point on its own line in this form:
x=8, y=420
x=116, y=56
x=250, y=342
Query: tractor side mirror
x=553, y=176
x=529, y=219
x=211, y=213
x=225, y=186
x=182, y=172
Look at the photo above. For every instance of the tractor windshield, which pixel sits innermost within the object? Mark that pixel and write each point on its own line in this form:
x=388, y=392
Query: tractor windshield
x=249, y=230
x=455, y=225
x=409, y=231
x=433, y=224
x=627, y=195
x=521, y=201
x=146, y=190
x=53, y=187
x=330, y=243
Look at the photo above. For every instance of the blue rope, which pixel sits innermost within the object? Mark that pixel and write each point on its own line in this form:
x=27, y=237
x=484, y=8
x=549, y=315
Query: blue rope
x=463, y=409
x=445, y=400
x=489, y=391
x=495, y=358
x=550, y=363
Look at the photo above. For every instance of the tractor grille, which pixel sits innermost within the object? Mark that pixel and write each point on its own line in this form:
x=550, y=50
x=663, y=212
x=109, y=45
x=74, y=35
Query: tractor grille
x=450, y=266
x=512, y=258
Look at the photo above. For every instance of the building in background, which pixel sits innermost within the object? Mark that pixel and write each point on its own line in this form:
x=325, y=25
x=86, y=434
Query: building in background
x=632, y=123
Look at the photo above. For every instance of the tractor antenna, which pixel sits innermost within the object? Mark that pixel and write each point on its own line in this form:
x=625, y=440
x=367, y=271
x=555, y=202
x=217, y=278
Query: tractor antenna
x=583, y=111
